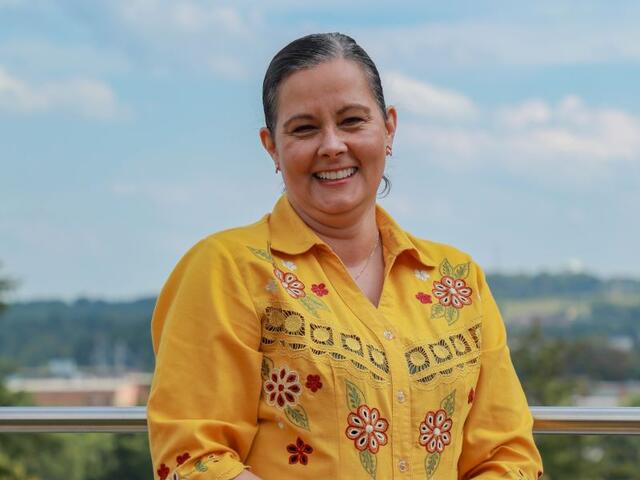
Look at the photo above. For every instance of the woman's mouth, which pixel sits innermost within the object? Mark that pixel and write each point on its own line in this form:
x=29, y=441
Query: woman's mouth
x=331, y=175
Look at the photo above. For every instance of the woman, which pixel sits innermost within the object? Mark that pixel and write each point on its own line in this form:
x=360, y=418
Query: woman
x=324, y=341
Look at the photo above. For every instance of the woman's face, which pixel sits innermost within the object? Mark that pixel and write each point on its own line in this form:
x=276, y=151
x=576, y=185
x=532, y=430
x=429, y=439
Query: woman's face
x=330, y=140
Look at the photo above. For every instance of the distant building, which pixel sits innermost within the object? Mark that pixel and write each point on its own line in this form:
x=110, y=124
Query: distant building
x=82, y=390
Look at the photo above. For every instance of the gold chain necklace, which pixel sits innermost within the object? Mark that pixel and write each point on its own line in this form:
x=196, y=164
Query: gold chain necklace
x=375, y=247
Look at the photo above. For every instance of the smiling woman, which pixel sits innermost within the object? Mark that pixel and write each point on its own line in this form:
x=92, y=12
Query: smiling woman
x=324, y=341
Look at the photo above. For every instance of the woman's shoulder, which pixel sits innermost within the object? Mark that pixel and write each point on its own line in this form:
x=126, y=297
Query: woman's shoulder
x=439, y=252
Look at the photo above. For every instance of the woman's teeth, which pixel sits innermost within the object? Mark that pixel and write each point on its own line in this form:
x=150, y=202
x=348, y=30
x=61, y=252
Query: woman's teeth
x=336, y=174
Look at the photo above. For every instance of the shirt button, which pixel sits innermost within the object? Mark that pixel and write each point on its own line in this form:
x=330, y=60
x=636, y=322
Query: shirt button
x=401, y=396
x=403, y=466
x=388, y=335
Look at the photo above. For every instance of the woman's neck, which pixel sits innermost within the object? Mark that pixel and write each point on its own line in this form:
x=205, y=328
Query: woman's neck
x=351, y=240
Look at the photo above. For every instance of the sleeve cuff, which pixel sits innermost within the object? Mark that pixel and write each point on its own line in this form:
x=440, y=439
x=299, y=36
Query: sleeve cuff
x=209, y=467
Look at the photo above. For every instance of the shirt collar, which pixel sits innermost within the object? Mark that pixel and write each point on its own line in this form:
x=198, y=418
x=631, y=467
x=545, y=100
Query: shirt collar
x=290, y=235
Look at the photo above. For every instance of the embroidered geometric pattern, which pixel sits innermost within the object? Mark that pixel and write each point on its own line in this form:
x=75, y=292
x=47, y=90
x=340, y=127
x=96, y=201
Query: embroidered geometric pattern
x=447, y=356
x=289, y=330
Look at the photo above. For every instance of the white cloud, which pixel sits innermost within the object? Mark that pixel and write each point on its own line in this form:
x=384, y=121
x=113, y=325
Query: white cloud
x=86, y=97
x=425, y=99
x=530, y=42
x=534, y=136
x=192, y=34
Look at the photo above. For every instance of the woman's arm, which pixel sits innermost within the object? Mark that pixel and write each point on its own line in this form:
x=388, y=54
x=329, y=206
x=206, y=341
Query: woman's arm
x=497, y=440
x=202, y=409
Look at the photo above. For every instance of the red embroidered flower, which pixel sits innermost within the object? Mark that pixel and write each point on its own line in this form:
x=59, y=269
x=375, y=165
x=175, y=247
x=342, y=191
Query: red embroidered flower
x=472, y=396
x=313, y=383
x=180, y=459
x=452, y=292
x=282, y=387
x=366, y=429
x=163, y=472
x=423, y=297
x=319, y=289
x=435, y=431
x=290, y=283
x=298, y=452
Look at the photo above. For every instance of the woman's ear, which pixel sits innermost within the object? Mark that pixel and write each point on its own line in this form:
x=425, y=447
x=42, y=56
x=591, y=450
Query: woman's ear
x=391, y=123
x=269, y=145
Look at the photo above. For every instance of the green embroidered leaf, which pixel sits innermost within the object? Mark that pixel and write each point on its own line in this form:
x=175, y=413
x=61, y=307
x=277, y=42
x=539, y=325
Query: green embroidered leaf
x=451, y=314
x=261, y=254
x=316, y=302
x=448, y=403
x=267, y=366
x=446, y=268
x=201, y=467
x=355, y=397
x=369, y=463
x=462, y=270
x=309, y=305
x=431, y=463
x=298, y=416
x=437, y=311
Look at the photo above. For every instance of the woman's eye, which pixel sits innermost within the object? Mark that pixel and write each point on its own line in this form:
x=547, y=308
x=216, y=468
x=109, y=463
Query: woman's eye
x=352, y=120
x=303, y=129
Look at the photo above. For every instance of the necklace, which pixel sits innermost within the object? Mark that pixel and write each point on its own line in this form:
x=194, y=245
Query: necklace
x=375, y=247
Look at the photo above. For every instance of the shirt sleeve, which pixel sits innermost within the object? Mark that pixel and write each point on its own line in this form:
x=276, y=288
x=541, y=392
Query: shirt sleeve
x=497, y=438
x=203, y=404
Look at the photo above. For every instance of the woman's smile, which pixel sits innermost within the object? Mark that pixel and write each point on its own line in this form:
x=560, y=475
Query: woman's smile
x=335, y=177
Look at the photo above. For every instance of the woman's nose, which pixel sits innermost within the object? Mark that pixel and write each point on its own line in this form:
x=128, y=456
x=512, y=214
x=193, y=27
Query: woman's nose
x=331, y=143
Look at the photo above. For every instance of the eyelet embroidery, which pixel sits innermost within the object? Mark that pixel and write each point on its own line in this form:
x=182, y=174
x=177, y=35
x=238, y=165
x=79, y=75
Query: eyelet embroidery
x=282, y=389
x=366, y=427
x=435, y=433
x=452, y=292
x=291, y=283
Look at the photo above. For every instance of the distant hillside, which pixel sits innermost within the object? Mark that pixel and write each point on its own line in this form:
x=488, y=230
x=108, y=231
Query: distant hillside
x=514, y=287
x=99, y=334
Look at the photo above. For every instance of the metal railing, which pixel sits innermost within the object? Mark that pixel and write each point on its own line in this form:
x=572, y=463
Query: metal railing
x=547, y=420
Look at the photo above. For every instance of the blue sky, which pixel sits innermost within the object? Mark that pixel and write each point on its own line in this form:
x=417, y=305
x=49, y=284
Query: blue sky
x=128, y=130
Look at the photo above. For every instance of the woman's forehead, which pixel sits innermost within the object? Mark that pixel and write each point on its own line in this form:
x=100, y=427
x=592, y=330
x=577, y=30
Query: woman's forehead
x=333, y=85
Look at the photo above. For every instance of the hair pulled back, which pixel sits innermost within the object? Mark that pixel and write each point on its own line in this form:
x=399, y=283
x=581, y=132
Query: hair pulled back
x=307, y=52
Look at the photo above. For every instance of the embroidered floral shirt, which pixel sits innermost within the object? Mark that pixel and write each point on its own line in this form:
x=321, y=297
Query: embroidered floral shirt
x=269, y=357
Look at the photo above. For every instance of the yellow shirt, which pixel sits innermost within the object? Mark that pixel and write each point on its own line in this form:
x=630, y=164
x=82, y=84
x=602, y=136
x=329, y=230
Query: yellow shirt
x=268, y=356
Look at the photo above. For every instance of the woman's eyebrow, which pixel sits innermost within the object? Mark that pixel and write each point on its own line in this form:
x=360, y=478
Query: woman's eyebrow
x=359, y=106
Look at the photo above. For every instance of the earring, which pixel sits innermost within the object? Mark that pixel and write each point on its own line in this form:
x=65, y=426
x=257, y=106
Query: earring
x=277, y=169
x=389, y=151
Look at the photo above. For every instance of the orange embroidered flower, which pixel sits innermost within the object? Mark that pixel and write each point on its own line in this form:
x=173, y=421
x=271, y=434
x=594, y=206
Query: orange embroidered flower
x=366, y=429
x=298, y=452
x=290, y=283
x=452, y=292
x=435, y=431
x=282, y=387
x=423, y=297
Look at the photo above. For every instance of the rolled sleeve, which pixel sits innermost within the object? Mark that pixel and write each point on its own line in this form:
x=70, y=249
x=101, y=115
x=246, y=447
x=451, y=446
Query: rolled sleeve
x=202, y=408
x=497, y=440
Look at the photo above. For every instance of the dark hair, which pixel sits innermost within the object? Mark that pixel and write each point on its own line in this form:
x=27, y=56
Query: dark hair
x=307, y=52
